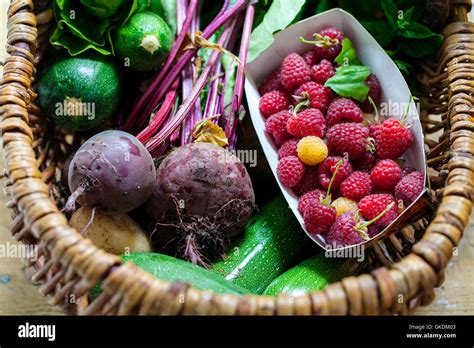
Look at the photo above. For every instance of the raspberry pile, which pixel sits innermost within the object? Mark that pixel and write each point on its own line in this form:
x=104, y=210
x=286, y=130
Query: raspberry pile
x=348, y=174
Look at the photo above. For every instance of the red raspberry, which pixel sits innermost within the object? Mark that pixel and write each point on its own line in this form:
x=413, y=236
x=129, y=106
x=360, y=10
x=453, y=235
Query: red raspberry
x=375, y=92
x=371, y=206
x=323, y=71
x=314, y=95
x=273, y=102
x=308, y=57
x=347, y=230
x=407, y=170
x=356, y=186
x=374, y=129
x=374, y=230
x=343, y=110
x=272, y=83
x=385, y=175
x=350, y=138
x=276, y=127
x=309, y=198
x=365, y=163
x=328, y=44
x=410, y=187
x=288, y=149
x=319, y=217
x=290, y=171
x=393, y=139
x=294, y=72
x=306, y=123
x=327, y=169
x=309, y=182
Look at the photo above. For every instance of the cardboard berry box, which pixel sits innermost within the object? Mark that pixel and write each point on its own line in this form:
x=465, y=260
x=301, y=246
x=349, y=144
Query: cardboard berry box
x=396, y=99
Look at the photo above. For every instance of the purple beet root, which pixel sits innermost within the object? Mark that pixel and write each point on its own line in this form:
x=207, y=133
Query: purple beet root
x=113, y=172
x=203, y=197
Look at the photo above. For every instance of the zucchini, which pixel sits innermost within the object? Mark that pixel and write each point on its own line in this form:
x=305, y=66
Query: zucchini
x=272, y=243
x=314, y=274
x=168, y=268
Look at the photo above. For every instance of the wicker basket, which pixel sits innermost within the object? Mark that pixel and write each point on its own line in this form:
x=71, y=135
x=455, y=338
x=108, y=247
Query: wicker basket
x=405, y=267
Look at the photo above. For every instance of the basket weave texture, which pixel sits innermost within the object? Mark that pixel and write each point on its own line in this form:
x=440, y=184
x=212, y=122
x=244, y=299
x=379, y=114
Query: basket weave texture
x=407, y=266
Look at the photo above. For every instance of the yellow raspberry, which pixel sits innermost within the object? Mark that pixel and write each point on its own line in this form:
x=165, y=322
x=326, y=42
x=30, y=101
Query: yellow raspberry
x=312, y=150
x=343, y=205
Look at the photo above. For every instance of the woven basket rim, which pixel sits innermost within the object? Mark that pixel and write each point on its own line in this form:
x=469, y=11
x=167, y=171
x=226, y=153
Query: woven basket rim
x=417, y=274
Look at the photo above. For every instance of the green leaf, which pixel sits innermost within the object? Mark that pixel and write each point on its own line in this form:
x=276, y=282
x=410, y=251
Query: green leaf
x=418, y=48
x=323, y=6
x=230, y=65
x=381, y=31
x=80, y=23
x=403, y=66
x=280, y=14
x=416, y=31
x=74, y=45
x=391, y=12
x=349, y=82
x=348, y=55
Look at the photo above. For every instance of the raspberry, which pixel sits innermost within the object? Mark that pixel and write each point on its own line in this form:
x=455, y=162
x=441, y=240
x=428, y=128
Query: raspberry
x=323, y=71
x=309, y=182
x=290, y=171
x=410, y=187
x=276, y=126
x=319, y=217
x=294, y=72
x=314, y=95
x=306, y=123
x=328, y=44
x=288, y=148
x=327, y=169
x=407, y=170
x=385, y=175
x=365, y=163
x=272, y=83
x=343, y=205
x=371, y=206
x=374, y=129
x=312, y=150
x=343, y=110
x=273, y=102
x=347, y=229
x=350, y=138
x=309, y=198
x=375, y=92
x=308, y=57
x=356, y=186
x=373, y=230
x=393, y=139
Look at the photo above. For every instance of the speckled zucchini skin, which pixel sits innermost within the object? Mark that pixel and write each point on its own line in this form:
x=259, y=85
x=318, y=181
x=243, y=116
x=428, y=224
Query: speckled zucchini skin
x=95, y=83
x=273, y=241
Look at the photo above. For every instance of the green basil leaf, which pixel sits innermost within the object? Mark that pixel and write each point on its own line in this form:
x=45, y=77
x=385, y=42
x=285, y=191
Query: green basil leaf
x=416, y=31
x=391, y=12
x=403, y=66
x=348, y=55
x=418, y=48
x=280, y=14
x=349, y=82
x=323, y=5
x=381, y=31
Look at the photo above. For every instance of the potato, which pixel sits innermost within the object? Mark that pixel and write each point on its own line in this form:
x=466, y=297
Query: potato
x=115, y=234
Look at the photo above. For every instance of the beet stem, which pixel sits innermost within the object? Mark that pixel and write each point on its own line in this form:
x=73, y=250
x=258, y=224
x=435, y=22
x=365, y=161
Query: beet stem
x=240, y=78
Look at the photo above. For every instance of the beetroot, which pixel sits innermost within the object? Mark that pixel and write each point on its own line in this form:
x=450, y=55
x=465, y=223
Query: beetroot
x=113, y=172
x=203, y=197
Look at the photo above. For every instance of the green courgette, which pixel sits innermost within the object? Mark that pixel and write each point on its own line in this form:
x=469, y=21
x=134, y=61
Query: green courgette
x=273, y=241
x=314, y=274
x=168, y=268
